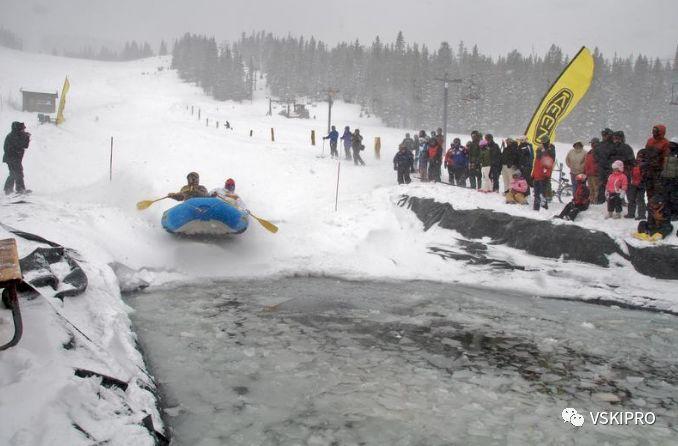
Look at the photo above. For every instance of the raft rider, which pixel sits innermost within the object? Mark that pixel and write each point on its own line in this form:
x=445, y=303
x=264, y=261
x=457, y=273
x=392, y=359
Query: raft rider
x=192, y=190
x=227, y=193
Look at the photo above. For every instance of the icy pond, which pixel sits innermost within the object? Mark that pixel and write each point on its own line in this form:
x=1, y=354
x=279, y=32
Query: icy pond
x=321, y=361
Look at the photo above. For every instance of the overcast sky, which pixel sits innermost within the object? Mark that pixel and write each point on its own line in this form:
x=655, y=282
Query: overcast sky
x=497, y=26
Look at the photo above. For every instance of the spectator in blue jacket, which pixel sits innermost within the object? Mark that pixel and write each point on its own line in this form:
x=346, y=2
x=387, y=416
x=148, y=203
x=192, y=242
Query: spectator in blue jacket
x=333, y=136
x=347, y=137
x=403, y=163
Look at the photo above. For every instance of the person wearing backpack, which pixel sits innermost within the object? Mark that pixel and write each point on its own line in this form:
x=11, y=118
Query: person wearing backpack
x=357, y=146
x=347, y=138
x=456, y=161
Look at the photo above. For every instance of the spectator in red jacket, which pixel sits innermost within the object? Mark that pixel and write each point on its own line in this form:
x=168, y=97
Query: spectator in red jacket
x=541, y=176
x=580, y=202
x=636, y=194
x=591, y=171
x=617, y=184
x=659, y=142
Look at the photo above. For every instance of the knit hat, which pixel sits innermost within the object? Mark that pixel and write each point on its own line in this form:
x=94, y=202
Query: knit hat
x=618, y=165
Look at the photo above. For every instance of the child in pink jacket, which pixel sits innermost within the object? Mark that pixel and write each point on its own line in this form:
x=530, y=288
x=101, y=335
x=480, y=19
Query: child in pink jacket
x=617, y=184
x=517, y=189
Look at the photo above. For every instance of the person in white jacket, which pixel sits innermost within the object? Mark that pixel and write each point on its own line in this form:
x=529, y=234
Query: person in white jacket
x=227, y=193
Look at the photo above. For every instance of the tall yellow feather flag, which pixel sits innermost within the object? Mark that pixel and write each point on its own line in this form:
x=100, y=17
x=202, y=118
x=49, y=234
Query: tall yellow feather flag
x=562, y=97
x=62, y=102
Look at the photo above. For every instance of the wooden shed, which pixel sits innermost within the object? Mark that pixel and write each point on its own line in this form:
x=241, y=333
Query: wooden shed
x=34, y=101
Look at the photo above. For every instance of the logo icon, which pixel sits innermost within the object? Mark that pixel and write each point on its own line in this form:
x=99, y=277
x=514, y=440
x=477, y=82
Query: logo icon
x=571, y=416
x=553, y=112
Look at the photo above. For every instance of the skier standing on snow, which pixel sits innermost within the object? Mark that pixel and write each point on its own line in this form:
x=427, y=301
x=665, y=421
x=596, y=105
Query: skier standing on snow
x=403, y=162
x=347, y=137
x=333, y=136
x=16, y=143
x=357, y=146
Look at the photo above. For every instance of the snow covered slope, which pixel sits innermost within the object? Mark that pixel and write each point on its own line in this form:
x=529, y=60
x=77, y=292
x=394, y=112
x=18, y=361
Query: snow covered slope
x=157, y=142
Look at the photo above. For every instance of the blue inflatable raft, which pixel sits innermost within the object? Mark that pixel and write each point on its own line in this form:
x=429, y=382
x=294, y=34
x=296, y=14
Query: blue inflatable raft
x=205, y=216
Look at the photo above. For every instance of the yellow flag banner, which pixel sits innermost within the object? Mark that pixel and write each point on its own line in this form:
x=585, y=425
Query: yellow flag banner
x=562, y=97
x=62, y=102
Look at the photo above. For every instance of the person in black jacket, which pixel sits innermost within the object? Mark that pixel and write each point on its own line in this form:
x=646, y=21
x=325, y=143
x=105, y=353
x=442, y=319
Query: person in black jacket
x=604, y=151
x=403, y=163
x=357, y=146
x=16, y=143
x=622, y=152
x=495, y=161
x=510, y=161
x=525, y=159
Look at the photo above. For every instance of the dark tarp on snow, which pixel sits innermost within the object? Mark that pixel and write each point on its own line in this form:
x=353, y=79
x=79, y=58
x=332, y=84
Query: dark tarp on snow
x=541, y=237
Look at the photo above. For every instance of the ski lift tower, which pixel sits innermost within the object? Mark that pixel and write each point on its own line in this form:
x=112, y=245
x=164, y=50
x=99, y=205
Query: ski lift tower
x=331, y=93
x=446, y=81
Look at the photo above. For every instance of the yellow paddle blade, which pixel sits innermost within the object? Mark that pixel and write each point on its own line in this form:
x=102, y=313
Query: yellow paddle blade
x=265, y=223
x=144, y=204
x=147, y=203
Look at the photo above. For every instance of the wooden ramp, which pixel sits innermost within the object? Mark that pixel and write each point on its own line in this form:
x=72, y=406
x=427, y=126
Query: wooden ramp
x=10, y=277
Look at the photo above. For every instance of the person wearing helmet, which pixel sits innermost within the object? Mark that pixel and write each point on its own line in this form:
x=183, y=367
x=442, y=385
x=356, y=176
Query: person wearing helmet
x=580, y=201
x=617, y=184
x=227, y=193
x=192, y=190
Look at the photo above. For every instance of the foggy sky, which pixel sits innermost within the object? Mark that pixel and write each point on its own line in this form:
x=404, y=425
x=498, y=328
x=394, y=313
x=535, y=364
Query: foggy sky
x=497, y=26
